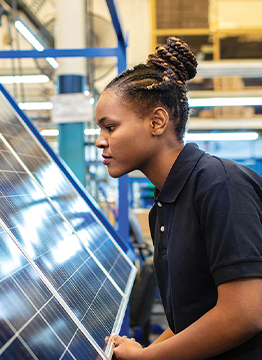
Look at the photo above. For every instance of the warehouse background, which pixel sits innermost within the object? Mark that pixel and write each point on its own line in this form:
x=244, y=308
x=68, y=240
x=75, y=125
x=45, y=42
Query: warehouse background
x=225, y=35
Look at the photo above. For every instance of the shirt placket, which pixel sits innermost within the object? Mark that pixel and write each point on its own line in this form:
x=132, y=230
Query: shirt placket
x=160, y=225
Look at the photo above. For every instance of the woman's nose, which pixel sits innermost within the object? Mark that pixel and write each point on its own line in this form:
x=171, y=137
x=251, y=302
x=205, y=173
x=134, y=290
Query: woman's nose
x=101, y=142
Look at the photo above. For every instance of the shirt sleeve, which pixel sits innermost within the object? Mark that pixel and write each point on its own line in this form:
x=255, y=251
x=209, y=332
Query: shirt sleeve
x=231, y=222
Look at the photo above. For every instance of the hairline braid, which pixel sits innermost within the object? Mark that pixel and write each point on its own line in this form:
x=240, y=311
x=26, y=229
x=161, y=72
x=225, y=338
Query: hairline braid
x=161, y=81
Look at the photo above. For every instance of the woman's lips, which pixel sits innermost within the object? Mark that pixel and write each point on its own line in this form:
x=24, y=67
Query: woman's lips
x=106, y=160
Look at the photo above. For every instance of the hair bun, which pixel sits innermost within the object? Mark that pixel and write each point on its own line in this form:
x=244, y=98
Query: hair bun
x=177, y=55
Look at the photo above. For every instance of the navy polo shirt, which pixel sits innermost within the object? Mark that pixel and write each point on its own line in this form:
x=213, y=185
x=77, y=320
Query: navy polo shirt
x=206, y=226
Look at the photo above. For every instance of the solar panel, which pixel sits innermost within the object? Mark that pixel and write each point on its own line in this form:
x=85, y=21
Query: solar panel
x=64, y=279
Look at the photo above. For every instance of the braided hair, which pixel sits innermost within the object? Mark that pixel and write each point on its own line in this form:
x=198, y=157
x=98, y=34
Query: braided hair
x=161, y=81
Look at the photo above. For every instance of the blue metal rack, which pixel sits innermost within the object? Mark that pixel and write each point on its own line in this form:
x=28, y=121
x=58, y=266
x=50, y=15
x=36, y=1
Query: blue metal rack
x=120, y=53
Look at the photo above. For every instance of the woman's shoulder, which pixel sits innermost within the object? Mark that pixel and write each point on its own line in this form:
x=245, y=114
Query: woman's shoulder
x=214, y=172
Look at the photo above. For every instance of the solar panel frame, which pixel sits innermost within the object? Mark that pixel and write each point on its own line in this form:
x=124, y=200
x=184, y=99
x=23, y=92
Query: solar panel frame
x=101, y=227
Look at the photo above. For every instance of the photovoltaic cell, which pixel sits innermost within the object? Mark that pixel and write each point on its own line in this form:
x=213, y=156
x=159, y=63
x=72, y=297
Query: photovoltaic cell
x=64, y=280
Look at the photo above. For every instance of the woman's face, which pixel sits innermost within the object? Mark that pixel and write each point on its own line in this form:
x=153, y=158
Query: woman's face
x=125, y=138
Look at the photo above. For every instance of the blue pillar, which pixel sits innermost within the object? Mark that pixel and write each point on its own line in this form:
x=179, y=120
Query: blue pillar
x=71, y=135
x=70, y=33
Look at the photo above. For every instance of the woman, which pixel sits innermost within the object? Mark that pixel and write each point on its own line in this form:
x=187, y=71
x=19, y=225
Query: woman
x=206, y=223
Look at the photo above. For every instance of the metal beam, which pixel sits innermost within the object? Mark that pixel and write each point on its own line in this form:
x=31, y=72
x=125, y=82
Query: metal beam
x=230, y=68
x=56, y=53
x=224, y=124
x=224, y=93
x=116, y=22
x=123, y=203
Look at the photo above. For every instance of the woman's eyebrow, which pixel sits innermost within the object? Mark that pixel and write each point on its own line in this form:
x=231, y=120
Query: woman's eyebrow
x=101, y=121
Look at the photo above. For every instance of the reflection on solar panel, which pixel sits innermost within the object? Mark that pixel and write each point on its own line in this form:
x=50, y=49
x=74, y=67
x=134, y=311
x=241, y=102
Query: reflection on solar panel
x=64, y=280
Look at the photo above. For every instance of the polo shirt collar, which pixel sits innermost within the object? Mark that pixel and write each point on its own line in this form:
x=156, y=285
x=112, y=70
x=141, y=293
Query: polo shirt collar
x=179, y=173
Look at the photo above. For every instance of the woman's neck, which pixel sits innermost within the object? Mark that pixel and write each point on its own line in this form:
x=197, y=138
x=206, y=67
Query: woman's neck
x=162, y=164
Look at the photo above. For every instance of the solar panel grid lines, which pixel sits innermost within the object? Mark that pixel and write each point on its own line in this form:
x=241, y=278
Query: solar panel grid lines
x=62, y=216
x=53, y=291
x=124, y=255
x=17, y=334
x=64, y=280
x=6, y=229
x=26, y=155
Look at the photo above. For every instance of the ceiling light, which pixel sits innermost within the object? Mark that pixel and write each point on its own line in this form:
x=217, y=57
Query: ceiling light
x=226, y=101
x=24, y=79
x=49, y=132
x=29, y=34
x=92, y=131
x=221, y=136
x=52, y=62
x=44, y=105
x=55, y=132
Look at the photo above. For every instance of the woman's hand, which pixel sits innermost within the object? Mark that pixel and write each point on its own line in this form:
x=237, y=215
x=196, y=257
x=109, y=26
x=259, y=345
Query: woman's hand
x=126, y=349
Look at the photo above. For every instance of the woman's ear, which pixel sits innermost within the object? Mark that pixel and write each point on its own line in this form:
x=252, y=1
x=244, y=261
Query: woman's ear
x=159, y=121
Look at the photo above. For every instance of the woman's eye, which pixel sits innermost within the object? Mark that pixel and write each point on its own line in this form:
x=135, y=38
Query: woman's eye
x=110, y=128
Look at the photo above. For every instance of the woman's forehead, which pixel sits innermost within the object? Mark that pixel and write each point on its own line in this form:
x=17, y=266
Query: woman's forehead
x=110, y=105
x=108, y=97
x=111, y=100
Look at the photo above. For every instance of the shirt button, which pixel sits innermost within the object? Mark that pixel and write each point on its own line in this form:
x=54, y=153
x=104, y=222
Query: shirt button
x=159, y=204
x=162, y=229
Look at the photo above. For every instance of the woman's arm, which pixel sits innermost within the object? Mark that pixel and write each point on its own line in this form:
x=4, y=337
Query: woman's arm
x=236, y=318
